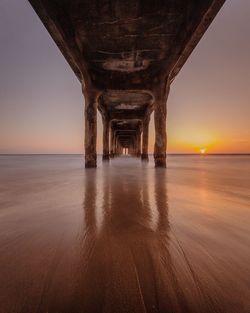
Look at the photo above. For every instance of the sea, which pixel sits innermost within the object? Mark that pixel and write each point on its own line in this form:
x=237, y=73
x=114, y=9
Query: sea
x=124, y=237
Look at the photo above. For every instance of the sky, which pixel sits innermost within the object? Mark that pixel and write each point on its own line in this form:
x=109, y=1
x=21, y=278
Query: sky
x=41, y=103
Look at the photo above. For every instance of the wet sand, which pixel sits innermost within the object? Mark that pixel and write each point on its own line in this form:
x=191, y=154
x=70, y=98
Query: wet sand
x=125, y=237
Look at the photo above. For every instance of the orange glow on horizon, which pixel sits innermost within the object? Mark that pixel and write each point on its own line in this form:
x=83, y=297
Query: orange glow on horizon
x=203, y=141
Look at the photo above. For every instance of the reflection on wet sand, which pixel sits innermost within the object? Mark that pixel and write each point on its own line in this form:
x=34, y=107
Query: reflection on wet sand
x=125, y=237
x=126, y=263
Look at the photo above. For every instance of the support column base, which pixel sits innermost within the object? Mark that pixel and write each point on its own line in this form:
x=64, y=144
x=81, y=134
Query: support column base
x=160, y=161
x=105, y=157
x=144, y=157
x=90, y=163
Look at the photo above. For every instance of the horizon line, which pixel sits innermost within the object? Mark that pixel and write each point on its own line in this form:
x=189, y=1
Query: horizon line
x=100, y=154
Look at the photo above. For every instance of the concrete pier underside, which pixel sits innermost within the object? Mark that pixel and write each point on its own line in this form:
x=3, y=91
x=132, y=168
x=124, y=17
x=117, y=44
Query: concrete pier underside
x=126, y=55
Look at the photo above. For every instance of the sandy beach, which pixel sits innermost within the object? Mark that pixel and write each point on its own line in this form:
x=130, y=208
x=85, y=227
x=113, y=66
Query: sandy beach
x=124, y=237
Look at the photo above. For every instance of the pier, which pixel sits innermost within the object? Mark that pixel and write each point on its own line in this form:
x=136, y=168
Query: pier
x=126, y=54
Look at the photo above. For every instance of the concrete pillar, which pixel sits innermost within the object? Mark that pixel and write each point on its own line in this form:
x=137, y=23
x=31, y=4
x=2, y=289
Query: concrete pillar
x=134, y=146
x=118, y=147
x=160, y=115
x=90, y=128
x=105, y=139
x=130, y=149
x=138, y=153
x=112, y=142
x=145, y=126
x=115, y=144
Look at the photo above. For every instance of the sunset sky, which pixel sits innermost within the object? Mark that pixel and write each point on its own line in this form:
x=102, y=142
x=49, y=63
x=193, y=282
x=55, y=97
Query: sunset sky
x=41, y=104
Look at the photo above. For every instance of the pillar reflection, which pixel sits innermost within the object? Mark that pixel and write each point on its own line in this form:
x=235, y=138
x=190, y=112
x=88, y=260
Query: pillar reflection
x=126, y=264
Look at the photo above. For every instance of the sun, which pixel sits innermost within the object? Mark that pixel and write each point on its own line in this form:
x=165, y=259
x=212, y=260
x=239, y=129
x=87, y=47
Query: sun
x=203, y=151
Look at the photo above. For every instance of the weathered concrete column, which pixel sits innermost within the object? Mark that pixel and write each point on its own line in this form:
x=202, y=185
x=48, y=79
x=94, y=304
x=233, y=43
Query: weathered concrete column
x=90, y=127
x=130, y=149
x=120, y=149
x=112, y=135
x=134, y=146
x=145, y=126
x=138, y=152
x=105, y=139
x=160, y=115
x=115, y=144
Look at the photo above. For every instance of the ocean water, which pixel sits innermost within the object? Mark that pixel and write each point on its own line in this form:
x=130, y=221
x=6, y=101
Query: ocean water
x=124, y=237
